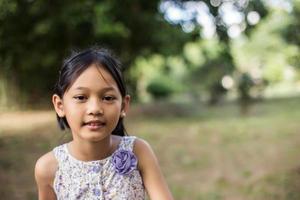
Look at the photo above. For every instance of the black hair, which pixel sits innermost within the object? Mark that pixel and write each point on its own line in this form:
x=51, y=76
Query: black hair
x=77, y=63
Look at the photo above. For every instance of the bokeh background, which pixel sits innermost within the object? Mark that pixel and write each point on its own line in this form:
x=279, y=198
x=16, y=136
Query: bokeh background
x=215, y=87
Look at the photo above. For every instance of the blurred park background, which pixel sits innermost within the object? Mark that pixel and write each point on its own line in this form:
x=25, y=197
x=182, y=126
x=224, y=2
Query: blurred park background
x=215, y=87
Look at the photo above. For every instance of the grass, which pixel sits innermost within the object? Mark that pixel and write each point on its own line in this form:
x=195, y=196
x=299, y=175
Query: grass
x=212, y=154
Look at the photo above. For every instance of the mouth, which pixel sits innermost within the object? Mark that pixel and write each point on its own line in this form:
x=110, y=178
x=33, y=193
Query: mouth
x=94, y=125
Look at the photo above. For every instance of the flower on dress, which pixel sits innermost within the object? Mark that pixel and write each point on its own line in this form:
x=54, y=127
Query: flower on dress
x=96, y=192
x=124, y=161
x=96, y=169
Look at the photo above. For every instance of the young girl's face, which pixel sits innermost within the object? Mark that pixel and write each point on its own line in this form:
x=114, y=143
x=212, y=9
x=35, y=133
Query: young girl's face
x=92, y=105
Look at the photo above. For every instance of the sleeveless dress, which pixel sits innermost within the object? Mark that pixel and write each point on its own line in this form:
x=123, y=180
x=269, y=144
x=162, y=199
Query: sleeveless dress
x=114, y=178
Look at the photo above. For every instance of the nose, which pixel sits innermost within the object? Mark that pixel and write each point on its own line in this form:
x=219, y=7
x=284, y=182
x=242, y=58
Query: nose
x=94, y=107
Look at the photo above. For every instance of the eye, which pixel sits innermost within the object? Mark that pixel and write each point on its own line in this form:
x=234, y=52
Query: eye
x=80, y=98
x=109, y=98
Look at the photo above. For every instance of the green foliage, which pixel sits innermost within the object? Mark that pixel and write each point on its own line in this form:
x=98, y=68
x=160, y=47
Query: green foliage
x=158, y=71
x=143, y=71
x=206, y=77
x=265, y=54
x=36, y=35
x=244, y=86
x=176, y=68
x=193, y=54
x=291, y=34
x=214, y=8
x=161, y=88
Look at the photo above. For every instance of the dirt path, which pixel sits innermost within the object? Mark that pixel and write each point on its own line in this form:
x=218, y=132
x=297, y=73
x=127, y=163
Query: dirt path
x=15, y=122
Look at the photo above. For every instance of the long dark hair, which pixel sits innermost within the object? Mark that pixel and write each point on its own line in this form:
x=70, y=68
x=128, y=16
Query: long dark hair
x=79, y=62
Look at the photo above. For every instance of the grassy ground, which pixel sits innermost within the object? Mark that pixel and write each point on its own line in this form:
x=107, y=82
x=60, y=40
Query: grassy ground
x=215, y=154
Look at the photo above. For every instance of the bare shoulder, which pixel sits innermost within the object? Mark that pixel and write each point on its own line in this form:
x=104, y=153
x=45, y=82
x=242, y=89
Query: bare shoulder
x=45, y=168
x=144, y=153
x=141, y=147
x=44, y=172
x=152, y=176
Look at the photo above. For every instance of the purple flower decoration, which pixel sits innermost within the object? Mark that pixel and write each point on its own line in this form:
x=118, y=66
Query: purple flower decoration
x=124, y=161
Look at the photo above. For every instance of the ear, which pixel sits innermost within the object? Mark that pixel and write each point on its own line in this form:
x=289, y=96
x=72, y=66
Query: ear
x=125, y=106
x=58, y=105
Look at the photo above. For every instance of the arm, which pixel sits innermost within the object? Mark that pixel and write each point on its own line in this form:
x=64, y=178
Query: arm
x=44, y=175
x=151, y=174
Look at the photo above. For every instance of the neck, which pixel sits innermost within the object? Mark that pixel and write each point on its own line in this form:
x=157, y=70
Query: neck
x=88, y=151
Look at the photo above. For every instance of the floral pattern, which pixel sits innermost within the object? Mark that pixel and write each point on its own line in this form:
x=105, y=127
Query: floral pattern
x=114, y=178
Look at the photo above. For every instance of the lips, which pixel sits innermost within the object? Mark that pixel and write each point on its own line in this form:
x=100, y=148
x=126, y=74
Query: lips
x=94, y=124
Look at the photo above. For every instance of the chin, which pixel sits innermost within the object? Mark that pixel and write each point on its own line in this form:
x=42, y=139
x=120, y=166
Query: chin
x=96, y=137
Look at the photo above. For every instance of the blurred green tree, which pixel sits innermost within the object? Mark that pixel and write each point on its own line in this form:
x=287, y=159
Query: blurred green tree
x=157, y=76
x=227, y=17
x=265, y=56
x=205, y=75
x=36, y=35
x=292, y=32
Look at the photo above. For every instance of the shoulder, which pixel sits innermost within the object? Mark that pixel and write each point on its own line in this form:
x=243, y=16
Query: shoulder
x=141, y=146
x=144, y=153
x=45, y=168
x=150, y=171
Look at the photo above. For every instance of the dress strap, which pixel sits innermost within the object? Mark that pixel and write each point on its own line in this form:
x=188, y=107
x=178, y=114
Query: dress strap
x=127, y=143
x=60, y=153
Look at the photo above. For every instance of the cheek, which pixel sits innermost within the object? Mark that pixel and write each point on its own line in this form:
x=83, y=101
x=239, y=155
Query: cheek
x=72, y=113
x=114, y=112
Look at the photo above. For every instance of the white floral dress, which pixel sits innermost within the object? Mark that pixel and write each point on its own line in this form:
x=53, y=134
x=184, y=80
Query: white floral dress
x=114, y=178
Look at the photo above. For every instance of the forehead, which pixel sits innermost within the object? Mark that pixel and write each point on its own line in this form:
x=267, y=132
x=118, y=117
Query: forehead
x=94, y=77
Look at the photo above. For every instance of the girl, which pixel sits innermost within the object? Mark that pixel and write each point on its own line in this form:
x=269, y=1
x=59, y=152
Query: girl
x=101, y=161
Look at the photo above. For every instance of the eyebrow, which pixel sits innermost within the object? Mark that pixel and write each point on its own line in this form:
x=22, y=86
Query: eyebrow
x=103, y=89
